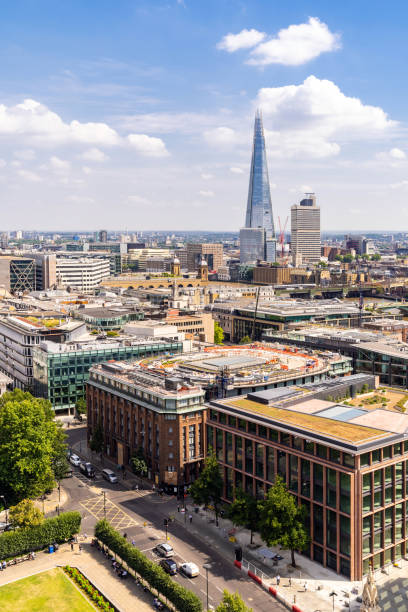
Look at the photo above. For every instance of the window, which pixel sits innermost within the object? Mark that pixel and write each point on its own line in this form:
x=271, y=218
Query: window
x=249, y=459
x=170, y=442
x=318, y=482
x=331, y=476
x=305, y=478
x=238, y=452
x=270, y=464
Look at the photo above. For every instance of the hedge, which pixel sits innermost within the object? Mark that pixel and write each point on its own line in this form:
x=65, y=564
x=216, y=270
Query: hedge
x=183, y=599
x=21, y=541
x=94, y=595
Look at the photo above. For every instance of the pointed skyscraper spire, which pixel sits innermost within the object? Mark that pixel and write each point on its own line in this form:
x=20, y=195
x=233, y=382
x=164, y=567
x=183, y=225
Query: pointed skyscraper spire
x=259, y=206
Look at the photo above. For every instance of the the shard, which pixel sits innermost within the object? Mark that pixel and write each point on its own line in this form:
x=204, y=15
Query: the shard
x=259, y=206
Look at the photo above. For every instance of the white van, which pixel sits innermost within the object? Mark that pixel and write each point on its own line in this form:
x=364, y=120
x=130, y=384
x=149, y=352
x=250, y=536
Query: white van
x=109, y=475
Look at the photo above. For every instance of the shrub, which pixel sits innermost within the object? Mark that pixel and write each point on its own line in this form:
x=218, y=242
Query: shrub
x=58, y=529
x=88, y=588
x=183, y=599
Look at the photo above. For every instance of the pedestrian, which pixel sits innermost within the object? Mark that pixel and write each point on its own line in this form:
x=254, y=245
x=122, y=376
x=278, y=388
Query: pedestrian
x=178, y=507
x=190, y=517
x=125, y=535
x=4, y=565
x=153, y=487
x=80, y=548
x=133, y=543
x=277, y=580
x=290, y=581
x=137, y=487
x=72, y=547
x=305, y=587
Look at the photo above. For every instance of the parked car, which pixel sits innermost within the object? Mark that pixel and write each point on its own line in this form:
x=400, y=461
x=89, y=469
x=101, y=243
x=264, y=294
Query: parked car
x=87, y=469
x=110, y=476
x=189, y=569
x=6, y=527
x=165, y=550
x=169, y=566
x=75, y=460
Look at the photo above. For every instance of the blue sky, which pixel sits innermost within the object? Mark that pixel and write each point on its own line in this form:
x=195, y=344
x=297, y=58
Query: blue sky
x=138, y=114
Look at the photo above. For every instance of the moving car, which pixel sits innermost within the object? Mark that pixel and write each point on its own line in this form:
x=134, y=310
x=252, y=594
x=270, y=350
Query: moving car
x=75, y=460
x=169, y=566
x=87, y=469
x=165, y=550
x=189, y=569
x=110, y=476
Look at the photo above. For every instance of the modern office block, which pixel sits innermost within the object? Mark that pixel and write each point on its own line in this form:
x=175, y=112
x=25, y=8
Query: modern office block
x=305, y=231
x=252, y=244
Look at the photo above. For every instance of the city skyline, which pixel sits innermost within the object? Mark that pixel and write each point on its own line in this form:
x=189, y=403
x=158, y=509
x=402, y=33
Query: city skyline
x=103, y=114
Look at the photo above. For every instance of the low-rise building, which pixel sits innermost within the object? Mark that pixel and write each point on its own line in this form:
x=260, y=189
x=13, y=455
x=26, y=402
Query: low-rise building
x=348, y=466
x=61, y=371
x=141, y=410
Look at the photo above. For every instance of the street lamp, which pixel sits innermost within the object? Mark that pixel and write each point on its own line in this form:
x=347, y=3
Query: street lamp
x=5, y=507
x=207, y=566
x=333, y=594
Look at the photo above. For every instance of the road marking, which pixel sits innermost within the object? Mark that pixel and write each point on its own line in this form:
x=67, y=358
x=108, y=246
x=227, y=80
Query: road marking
x=147, y=549
x=114, y=514
x=220, y=590
x=209, y=596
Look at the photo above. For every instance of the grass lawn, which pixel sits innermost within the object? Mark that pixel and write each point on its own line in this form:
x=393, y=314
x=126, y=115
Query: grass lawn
x=49, y=591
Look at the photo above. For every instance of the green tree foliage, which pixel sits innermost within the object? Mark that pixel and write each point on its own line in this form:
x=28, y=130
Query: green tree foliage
x=22, y=541
x=112, y=333
x=183, y=599
x=375, y=257
x=30, y=441
x=138, y=463
x=25, y=514
x=80, y=406
x=232, y=603
x=97, y=441
x=348, y=258
x=218, y=333
x=244, y=511
x=245, y=340
x=208, y=487
x=281, y=520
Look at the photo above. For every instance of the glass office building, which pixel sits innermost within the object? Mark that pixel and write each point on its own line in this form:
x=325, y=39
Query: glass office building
x=61, y=371
x=259, y=206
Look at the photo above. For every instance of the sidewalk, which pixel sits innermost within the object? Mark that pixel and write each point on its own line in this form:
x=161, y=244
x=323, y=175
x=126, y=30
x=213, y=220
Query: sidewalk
x=124, y=594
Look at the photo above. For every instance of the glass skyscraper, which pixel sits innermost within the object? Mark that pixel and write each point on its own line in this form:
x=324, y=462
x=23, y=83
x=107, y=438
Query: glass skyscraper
x=259, y=206
x=257, y=239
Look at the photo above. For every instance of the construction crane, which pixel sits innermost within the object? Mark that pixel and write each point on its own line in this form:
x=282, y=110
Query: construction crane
x=281, y=237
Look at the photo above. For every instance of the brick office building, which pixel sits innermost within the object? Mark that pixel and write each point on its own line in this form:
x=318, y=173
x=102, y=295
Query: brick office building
x=348, y=466
x=142, y=410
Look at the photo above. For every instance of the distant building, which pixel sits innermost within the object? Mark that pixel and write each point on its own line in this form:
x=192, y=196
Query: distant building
x=305, y=230
x=83, y=273
x=211, y=252
x=103, y=236
x=361, y=244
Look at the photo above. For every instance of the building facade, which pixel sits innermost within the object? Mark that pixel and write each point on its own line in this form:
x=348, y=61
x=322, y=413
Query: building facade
x=82, y=273
x=61, y=371
x=351, y=478
x=305, y=230
x=141, y=411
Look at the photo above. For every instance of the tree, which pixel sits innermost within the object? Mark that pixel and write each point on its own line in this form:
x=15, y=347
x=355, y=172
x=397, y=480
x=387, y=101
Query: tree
x=281, y=520
x=232, y=602
x=25, y=514
x=81, y=406
x=245, y=340
x=244, y=511
x=97, y=441
x=208, y=487
x=138, y=463
x=348, y=258
x=218, y=333
x=30, y=441
x=375, y=257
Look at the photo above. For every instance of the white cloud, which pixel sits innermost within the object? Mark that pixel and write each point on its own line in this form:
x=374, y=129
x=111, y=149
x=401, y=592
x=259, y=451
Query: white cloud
x=2, y=163
x=148, y=145
x=86, y=169
x=59, y=165
x=94, y=155
x=236, y=170
x=36, y=121
x=244, y=40
x=310, y=117
x=206, y=176
x=206, y=194
x=221, y=136
x=137, y=199
x=306, y=189
x=25, y=154
x=30, y=176
x=401, y=184
x=397, y=154
x=296, y=45
x=78, y=199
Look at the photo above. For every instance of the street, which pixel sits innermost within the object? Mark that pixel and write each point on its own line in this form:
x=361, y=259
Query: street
x=140, y=514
